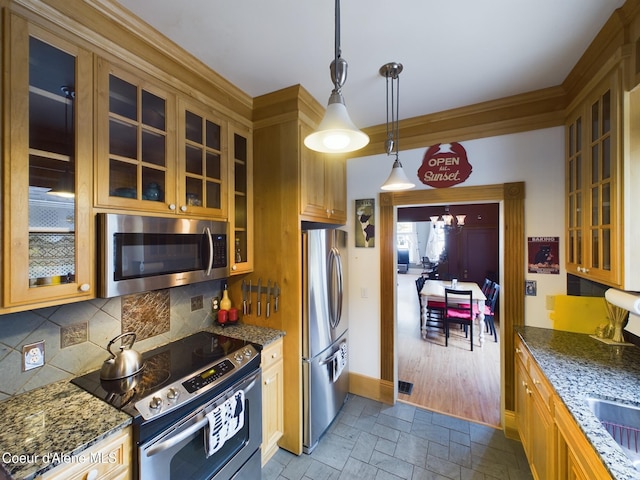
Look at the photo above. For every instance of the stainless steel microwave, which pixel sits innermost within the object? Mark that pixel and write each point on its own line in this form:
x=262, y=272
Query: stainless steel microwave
x=140, y=253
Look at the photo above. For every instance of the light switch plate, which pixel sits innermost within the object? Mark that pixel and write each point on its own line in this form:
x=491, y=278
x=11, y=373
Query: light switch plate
x=32, y=355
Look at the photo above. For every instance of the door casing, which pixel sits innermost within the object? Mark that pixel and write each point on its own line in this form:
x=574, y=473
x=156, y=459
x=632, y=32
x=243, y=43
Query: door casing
x=510, y=196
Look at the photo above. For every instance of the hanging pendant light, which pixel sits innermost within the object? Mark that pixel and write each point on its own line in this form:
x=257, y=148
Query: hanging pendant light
x=397, y=180
x=336, y=132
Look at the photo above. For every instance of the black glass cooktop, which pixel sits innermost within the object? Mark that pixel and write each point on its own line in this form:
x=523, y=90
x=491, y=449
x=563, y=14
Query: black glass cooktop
x=162, y=366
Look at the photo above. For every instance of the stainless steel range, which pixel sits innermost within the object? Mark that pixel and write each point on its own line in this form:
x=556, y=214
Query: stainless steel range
x=196, y=408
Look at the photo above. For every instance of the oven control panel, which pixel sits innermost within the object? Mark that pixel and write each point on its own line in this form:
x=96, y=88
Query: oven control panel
x=183, y=390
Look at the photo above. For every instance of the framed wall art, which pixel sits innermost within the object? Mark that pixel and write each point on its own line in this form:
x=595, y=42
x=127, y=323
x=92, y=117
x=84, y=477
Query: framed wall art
x=365, y=223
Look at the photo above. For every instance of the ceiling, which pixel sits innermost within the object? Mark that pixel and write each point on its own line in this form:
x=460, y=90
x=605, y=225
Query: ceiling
x=454, y=52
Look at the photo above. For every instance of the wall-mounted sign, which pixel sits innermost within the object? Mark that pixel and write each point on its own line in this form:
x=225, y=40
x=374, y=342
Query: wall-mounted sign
x=444, y=165
x=544, y=255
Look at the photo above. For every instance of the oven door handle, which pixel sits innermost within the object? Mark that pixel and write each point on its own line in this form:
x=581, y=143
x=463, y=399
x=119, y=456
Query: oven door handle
x=176, y=439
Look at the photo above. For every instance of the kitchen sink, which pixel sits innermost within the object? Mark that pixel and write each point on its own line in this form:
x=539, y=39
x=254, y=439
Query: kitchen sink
x=622, y=422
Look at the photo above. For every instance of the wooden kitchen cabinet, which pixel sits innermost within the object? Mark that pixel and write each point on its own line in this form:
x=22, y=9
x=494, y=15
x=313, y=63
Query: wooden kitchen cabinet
x=272, y=399
x=323, y=184
x=48, y=229
x=136, y=134
x=202, y=170
x=534, y=415
x=576, y=458
x=241, y=199
x=594, y=175
x=109, y=459
x=281, y=181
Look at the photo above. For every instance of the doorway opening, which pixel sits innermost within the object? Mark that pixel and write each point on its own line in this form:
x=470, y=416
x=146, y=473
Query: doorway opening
x=510, y=196
x=450, y=380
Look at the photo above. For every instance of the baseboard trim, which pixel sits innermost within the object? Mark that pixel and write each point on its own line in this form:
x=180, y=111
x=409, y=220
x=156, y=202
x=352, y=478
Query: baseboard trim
x=372, y=388
x=510, y=426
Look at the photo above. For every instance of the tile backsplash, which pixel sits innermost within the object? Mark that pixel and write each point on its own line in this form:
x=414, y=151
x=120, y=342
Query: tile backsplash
x=76, y=335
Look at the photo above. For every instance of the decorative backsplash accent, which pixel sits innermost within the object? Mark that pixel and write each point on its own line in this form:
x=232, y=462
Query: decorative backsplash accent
x=147, y=314
x=74, y=334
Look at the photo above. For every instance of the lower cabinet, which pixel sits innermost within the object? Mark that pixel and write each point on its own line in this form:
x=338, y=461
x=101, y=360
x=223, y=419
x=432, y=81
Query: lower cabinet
x=577, y=460
x=553, y=442
x=272, y=399
x=109, y=459
x=534, y=416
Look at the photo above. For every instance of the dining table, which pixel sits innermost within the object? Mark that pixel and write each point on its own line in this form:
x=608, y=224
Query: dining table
x=433, y=290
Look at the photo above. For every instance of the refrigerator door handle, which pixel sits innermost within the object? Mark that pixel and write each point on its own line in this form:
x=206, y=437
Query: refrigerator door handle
x=335, y=287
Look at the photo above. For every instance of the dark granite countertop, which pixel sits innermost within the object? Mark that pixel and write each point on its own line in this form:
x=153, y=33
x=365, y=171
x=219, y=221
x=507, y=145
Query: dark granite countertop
x=251, y=333
x=578, y=366
x=42, y=425
x=61, y=420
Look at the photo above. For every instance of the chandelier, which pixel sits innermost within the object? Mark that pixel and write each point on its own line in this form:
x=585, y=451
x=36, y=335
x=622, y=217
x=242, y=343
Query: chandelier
x=336, y=132
x=397, y=180
x=448, y=221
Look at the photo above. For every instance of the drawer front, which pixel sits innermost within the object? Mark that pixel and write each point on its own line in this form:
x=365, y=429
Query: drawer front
x=521, y=351
x=540, y=384
x=271, y=354
x=106, y=460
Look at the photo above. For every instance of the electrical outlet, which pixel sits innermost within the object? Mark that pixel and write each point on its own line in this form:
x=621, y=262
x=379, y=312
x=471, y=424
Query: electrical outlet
x=32, y=355
x=196, y=303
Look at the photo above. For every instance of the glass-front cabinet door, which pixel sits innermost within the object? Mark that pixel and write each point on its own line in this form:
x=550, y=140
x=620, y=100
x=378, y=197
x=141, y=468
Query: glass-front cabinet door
x=241, y=197
x=593, y=176
x=48, y=247
x=136, y=142
x=202, y=163
x=602, y=254
x=575, y=210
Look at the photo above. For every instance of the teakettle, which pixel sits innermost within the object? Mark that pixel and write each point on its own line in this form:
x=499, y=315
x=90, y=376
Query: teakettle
x=125, y=363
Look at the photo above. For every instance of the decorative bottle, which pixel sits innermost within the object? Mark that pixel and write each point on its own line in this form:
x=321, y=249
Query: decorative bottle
x=225, y=303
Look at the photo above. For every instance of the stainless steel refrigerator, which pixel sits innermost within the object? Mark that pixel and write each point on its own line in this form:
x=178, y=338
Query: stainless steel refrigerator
x=324, y=331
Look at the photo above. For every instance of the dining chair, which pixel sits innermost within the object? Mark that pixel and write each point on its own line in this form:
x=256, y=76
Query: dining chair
x=458, y=310
x=419, y=284
x=490, y=310
x=435, y=309
x=486, y=286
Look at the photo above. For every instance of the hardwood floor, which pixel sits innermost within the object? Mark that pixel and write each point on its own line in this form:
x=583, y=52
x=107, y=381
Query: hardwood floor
x=453, y=379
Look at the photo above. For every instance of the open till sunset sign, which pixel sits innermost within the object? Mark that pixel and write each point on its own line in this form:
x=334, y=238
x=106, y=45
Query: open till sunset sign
x=444, y=165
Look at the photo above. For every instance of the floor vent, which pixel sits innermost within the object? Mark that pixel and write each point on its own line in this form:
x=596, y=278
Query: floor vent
x=405, y=387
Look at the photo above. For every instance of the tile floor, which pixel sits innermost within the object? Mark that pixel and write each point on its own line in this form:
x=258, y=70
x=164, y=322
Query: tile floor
x=373, y=441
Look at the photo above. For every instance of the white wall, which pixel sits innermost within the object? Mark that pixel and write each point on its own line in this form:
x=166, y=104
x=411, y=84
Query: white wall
x=536, y=158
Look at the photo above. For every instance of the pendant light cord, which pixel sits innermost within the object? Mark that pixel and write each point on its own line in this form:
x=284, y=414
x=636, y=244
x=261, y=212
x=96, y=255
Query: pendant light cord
x=393, y=125
x=337, y=51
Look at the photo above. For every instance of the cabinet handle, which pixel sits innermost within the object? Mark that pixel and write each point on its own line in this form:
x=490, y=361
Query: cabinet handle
x=274, y=355
x=183, y=208
x=234, y=267
x=528, y=391
x=172, y=206
x=267, y=381
x=536, y=382
x=85, y=287
x=92, y=474
x=518, y=350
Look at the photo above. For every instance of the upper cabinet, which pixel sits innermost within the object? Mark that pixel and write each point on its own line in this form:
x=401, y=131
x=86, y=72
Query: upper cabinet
x=136, y=134
x=202, y=161
x=48, y=228
x=158, y=151
x=594, y=165
x=241, y=199
x=323, y=189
